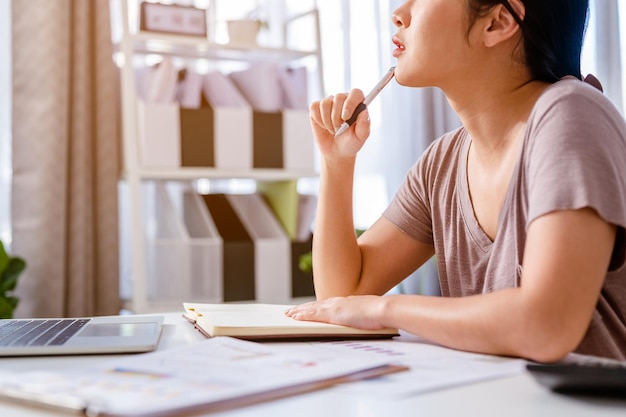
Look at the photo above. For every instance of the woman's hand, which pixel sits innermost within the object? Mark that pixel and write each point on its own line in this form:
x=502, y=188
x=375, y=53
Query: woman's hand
x=360, y=311
x=328, y=114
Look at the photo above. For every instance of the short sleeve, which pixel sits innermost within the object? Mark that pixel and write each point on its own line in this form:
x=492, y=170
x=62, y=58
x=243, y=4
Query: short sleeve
x=576, y=154
x=411, y=209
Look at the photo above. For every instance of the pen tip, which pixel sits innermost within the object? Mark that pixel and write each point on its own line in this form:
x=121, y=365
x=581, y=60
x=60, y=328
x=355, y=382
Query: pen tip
x=342, y=129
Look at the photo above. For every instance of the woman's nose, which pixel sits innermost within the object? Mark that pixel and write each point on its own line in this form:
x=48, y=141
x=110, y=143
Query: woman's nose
x=401, y=17
x=395, y=18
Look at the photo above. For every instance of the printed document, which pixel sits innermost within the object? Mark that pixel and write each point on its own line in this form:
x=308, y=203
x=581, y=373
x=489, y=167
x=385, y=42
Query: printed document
x=216, y=374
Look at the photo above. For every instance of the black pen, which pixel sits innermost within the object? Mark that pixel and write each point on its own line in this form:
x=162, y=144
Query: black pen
x=366, y=101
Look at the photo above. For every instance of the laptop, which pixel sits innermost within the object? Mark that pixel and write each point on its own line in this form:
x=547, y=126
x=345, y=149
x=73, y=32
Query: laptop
x=76, y=336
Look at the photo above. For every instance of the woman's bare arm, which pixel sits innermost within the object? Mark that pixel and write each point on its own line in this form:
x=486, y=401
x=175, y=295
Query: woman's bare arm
x=566, y=259
x=384, y=255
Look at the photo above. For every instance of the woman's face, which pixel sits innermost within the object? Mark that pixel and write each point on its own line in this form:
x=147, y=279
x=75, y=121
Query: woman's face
x=431, y=41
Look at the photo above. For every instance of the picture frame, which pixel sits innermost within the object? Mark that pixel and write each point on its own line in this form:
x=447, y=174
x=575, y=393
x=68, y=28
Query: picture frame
x=173, y=19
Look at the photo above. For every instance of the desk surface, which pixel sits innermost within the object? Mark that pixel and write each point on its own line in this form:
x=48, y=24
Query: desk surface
x=513, y=396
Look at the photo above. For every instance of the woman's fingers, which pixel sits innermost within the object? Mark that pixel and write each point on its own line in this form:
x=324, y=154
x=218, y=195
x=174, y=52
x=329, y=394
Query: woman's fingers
x=315, y=114
x=333, y=110
x=352, y=101
x=330, y=111
x=326, y=117
x=362, y=125
x=337, y=110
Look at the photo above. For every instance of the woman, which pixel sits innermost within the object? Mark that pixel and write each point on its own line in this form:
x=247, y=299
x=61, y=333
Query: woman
x=524, y=206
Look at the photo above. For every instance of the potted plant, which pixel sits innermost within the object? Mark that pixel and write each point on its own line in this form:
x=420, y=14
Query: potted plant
x=244, y=32
x=10, y=269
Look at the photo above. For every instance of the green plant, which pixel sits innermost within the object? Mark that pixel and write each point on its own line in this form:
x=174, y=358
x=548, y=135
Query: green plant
x=257, y=16
x=10, y=269
x=305, y=262
x=263, y=24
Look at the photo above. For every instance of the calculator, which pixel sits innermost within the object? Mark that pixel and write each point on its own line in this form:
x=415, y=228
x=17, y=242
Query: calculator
x=601, y=377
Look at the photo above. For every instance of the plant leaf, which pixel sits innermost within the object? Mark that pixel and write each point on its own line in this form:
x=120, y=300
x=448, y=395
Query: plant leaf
x=8, y=280
x=6, y=308
x=13, y=301
x=305, y=262
x=4, y=258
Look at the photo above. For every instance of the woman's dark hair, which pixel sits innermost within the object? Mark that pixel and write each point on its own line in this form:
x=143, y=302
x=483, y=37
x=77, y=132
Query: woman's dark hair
x=553, y=33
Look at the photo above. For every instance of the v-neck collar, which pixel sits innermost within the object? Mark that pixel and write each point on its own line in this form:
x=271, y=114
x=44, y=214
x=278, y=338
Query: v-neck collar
x=465, y=202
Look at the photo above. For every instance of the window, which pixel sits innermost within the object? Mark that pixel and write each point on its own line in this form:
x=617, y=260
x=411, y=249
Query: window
x=5, y=122
x=590, y=59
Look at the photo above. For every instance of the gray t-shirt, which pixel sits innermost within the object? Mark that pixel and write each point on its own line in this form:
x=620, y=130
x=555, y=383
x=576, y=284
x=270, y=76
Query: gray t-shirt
x=573, y=156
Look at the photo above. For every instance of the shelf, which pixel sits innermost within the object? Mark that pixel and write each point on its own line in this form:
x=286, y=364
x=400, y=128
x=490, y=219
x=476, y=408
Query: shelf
x=196, y=47
x=133, y=51
x=190, y=173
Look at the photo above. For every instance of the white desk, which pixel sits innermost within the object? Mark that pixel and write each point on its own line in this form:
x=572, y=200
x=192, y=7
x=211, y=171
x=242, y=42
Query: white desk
x=510, y=397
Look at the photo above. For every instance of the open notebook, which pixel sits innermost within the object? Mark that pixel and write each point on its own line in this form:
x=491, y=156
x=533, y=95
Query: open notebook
x=268, y=322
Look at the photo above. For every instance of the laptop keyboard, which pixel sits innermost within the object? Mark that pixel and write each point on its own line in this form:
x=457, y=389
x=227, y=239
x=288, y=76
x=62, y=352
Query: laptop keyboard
x=38, y=332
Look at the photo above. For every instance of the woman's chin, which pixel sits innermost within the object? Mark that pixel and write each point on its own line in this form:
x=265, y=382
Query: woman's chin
x=413, y=81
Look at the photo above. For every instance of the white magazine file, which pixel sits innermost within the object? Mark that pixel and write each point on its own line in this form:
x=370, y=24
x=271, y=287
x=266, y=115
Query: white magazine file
x=272, y=249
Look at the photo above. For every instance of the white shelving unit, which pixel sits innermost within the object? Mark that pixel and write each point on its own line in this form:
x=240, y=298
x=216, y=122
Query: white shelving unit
x=134, y=44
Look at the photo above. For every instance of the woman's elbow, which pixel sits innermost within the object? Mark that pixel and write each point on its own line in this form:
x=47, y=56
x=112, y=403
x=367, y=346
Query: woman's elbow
x=548, y=343
x=549, y=353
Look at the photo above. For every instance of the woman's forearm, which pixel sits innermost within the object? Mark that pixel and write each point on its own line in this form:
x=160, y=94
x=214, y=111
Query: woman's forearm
x=336, y=255
x=475, y=323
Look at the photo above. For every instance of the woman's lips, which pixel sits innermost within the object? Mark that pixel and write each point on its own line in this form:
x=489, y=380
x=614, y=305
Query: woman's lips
x=399, y=47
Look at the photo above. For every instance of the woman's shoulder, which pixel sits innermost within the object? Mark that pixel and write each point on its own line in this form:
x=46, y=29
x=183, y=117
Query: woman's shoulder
x=575, y=112
x=572, y=95
x=570, y=86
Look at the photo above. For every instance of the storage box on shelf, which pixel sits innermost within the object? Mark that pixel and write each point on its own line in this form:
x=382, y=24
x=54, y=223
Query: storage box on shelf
x=224, y=138
x=272, y=251
x=168, y=260
x=166, y=142
x=217, y=248
x=174, y=137
x=206, y=247
x=183, y=250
